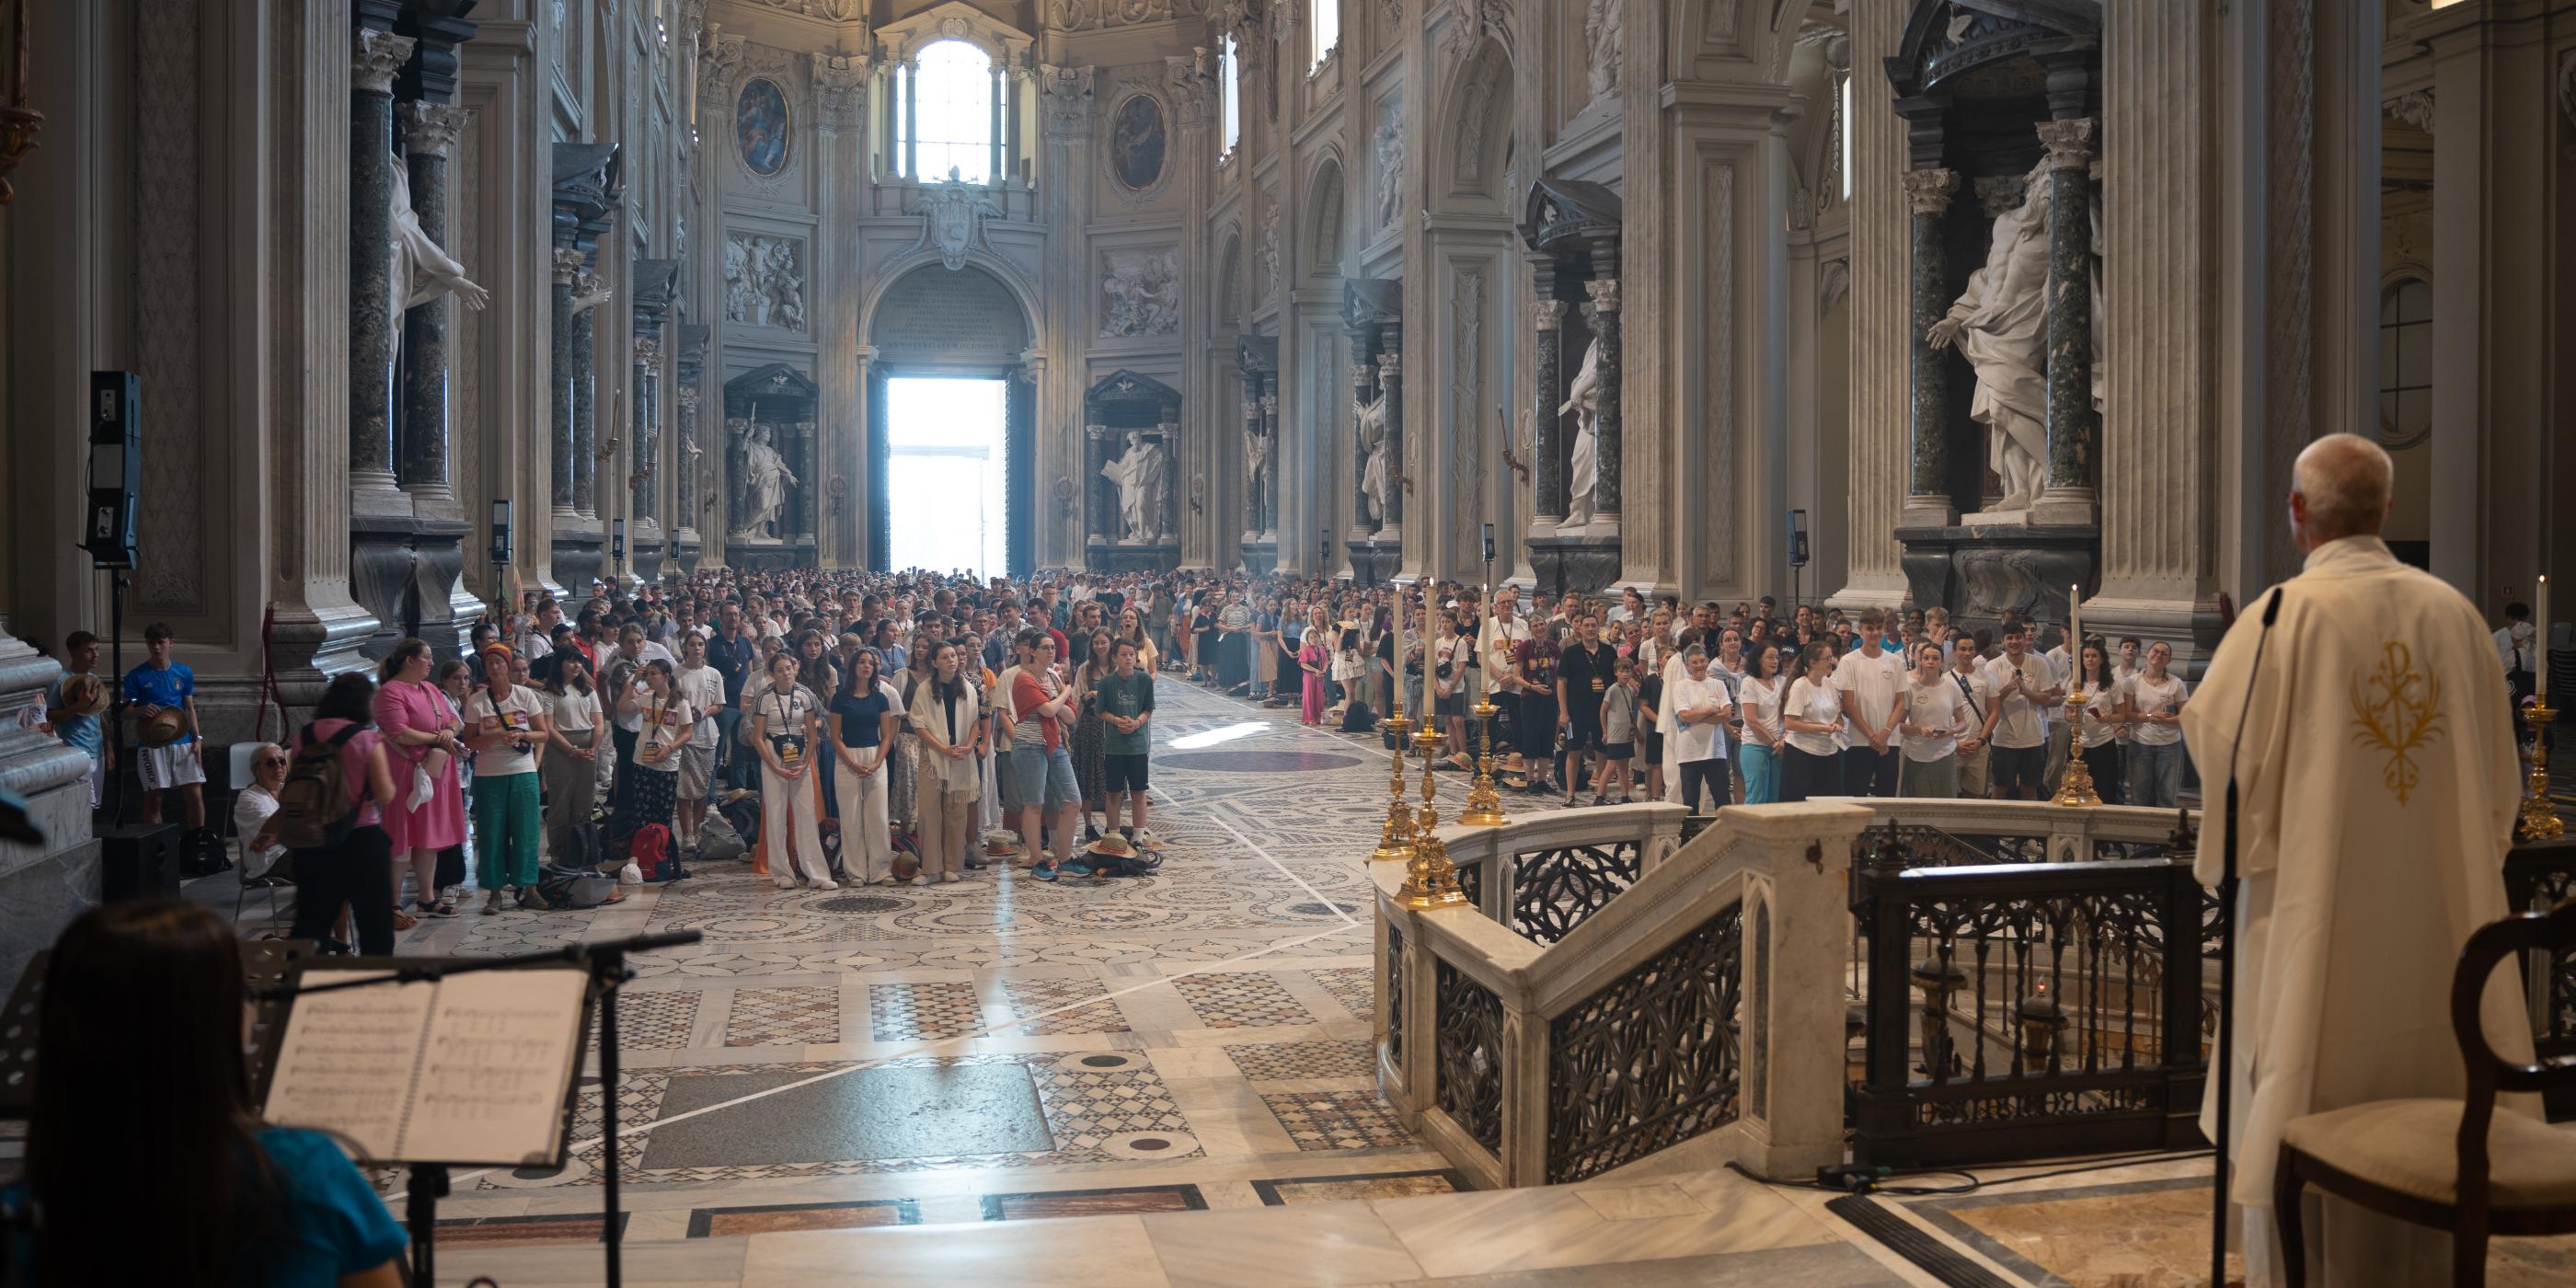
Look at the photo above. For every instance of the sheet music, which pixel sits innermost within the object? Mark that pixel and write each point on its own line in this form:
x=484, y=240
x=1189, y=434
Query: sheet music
x=497, y=1057
x=347, y=1061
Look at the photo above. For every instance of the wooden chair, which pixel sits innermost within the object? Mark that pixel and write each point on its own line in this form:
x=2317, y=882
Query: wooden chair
x=2453, y=1164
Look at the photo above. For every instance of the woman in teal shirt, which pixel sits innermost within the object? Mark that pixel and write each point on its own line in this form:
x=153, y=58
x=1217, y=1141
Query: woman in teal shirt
x=143, y=1124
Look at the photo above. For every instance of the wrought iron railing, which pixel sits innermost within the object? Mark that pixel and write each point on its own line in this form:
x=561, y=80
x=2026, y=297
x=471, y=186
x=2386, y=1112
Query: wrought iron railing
x=1571, y=1030
x=2018, y=1010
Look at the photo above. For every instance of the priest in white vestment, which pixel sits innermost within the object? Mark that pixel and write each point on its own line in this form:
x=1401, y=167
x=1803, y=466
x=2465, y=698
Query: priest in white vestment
x=2378, y=788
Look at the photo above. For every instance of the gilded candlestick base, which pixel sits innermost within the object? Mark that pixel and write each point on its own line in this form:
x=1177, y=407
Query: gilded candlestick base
x=2539, y=816
x=1395, y=838
x=1484, y=803
x=1430, y=880
x=2077, y=787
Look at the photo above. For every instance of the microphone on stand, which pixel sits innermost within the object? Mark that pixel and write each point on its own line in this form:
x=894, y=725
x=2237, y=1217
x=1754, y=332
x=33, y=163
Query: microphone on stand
x=2227, y=959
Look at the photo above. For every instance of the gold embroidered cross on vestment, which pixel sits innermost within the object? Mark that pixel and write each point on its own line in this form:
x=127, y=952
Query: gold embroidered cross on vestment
x=2397, y=708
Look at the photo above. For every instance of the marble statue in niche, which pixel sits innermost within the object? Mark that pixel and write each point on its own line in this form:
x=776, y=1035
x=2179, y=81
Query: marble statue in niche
x=1141, y=295
x=1602, y=35
x=1256, y=475
x=764, y=281
x=1140, y=474
x=2000, y=325
x=422, y=270
x=1583, y=472
x=1390, y=166
x=1269, y=252
x=1373, y=467
x=761, y=480
x=762, y=128
x=1137, y=142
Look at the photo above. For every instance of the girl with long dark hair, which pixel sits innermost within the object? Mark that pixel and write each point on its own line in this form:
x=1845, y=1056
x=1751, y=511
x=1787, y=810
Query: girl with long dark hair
x=570, y=774
x=862, y=724
x=357, y=872
x=146, y=1159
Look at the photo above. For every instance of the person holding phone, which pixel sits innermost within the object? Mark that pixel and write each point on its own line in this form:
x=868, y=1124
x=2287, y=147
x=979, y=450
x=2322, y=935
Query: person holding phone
x=505, y=724
x=785, y=717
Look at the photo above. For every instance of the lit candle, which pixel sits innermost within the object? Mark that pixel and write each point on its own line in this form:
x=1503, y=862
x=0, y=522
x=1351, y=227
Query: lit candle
x=2075, y=627
x=2540, y=645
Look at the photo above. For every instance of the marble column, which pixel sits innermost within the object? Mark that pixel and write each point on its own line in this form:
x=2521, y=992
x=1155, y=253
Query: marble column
x=1549, y=317
x=376, y=56
x=1363, y=392
x=1270, y=427
x=1928, y=412
x=1606, y=453
x=568, y=262
x=647, y=425
x=2071, y=430
x=429, y=133
x=1390, y=385
x=690, y=379
x=585, y=394
x=1254, y=483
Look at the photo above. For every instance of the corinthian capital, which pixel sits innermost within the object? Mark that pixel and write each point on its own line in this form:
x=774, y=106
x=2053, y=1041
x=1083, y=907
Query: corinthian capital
x=429, y=128
x=840, y=89
x=374, y=58
x=1927, y=192
x=1605, y=294
x=568, y=264
x=2069, y=143
x=1548, y=315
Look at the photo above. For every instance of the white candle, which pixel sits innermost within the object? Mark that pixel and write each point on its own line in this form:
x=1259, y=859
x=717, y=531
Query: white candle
x=2075, y=627
x=2540, y=645
x=1399, y=654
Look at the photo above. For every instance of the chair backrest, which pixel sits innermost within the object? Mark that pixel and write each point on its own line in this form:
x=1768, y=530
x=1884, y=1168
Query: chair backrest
x=2545, y=935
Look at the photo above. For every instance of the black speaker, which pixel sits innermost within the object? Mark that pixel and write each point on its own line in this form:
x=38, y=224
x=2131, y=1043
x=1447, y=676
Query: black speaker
x=139, y=861
x=115, y=467
x=1797, y=538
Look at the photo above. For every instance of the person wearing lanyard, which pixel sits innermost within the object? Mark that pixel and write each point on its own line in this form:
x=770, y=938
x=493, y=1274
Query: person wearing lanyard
x=863, y=727
x=944, y=712
x=664, y=729
x=784, y=720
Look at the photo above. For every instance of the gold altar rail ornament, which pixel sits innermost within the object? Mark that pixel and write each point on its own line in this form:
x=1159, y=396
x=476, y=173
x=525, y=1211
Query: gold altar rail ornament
x=2539, y=817
x=1484, y=803
x=2077, y=788
x=1395, y=838
x=1430, y=879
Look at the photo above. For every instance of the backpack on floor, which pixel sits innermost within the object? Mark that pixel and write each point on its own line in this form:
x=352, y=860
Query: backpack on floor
x=585, y=847
x=574, y=887
x=315, y=808
x=651, y=851
x=744, y=814
x=718, y=840
x=828, y=830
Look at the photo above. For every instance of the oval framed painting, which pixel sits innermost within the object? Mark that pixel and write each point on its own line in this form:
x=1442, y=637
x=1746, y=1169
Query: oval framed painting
x=1138, y=142
x=762, y=128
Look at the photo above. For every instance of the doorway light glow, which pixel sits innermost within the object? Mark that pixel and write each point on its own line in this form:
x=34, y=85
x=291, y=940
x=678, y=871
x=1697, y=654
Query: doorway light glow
x=1212, y=737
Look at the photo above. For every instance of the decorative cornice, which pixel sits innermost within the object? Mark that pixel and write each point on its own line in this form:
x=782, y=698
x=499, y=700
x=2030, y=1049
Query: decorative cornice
x=2415, y=109
x=429, y=129
x=1088, y=15
x=840, y=90
x=2069, y=143
x=1193, y=85
x=1927, y=192
x=1067, y=91
x=719, y=60
x=374, y=57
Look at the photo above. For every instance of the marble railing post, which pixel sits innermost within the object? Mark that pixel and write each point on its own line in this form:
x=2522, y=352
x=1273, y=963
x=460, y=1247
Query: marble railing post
x=568, y=263
x=376, y=57
x=1606, y=333
x=1927, y=494
x=2071, y=428
x=1390, y=384
x=429, y=136
x=1549, y=317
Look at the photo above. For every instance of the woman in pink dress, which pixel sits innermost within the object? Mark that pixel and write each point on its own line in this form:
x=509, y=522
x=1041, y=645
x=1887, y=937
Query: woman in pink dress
x=420, y=731
x=1312, y=657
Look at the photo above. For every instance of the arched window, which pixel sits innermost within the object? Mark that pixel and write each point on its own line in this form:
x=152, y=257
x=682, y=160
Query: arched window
x=947, y=104
x=1228, y=69
x=2406, y=363
x=1324, y=18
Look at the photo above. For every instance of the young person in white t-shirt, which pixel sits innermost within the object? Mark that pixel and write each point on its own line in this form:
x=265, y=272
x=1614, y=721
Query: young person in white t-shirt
x=1701, y=708
x=1936, y=716
x=1871, y=683
x=505, y=724
x=704, y=687
x=2099, y=686
x=2153, y=710
x=1812, y=716
x=666, y=723
x=786, y=722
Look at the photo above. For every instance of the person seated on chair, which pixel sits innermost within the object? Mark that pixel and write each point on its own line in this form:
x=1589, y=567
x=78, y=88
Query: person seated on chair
x=256, y=806
x=143, y=1125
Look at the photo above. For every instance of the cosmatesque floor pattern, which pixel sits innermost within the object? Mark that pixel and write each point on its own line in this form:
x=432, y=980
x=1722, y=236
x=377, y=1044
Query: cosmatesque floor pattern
x=1001, y=1049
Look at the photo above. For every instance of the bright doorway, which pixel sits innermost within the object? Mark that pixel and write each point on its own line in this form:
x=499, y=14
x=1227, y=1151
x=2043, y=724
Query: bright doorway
x=944, y=474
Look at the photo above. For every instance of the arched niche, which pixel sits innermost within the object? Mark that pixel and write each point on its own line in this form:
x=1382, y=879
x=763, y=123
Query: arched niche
x=1132, y=418
x=1326, y=214
x=1471, y=171
x=968, y=323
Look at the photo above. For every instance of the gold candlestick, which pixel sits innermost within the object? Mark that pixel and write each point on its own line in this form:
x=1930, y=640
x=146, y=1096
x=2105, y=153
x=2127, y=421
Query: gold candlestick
x=1430, y=880
x=1395, y=839
x=1484, y=804
x=2077, y=788
x=2539, y=817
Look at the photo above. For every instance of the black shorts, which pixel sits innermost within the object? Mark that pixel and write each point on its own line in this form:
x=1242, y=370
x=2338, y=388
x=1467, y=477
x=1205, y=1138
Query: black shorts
x=2012, y=770
x=1123, y=773
x=1618, y=750
x=1583, y=734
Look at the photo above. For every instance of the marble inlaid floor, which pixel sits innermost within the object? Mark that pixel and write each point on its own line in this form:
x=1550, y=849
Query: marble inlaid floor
x=1001, y=1049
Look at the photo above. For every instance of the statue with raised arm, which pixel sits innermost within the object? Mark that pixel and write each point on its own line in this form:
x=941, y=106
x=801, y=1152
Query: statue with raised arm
x=1256, y=469
x=2000, y=325
x=422, y=270
x=1583, y=473
x=762, y=492
x=1373, y=468
x=1139, y=476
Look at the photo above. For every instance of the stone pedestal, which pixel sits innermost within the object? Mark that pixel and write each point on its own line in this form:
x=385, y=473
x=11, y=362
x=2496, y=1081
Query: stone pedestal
x=753, y=555
x=1983, y=571
x=44, y=886
x=1374, y=562
x=1260, y=558
x=580, y=554
x=1118, y=556
x=1562, y=563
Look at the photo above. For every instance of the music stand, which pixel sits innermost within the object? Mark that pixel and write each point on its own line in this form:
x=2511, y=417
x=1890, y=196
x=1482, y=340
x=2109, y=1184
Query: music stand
x=265, y=964
x=605, y=965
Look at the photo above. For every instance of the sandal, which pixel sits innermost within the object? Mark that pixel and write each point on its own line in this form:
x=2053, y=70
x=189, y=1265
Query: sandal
x=443, y=908
x=404, y=920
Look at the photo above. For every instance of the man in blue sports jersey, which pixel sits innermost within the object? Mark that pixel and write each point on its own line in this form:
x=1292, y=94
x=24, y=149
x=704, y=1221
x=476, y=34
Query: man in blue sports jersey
x=177, y=765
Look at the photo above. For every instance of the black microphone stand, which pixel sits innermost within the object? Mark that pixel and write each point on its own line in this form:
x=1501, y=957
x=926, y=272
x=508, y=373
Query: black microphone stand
x=2226, y=1044
x=608, y=971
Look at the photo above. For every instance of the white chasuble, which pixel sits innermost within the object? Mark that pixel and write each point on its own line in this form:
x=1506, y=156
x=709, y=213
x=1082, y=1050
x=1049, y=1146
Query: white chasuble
x=2378, y=786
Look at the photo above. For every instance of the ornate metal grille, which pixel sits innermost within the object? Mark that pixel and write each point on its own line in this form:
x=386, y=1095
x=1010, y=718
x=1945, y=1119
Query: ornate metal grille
x=1553, y=891
x=1471, y=883
x=1469, y=1054
x=1651, y=1060
x=2537, y=875
x=2026, y=1009
x=1393, y=990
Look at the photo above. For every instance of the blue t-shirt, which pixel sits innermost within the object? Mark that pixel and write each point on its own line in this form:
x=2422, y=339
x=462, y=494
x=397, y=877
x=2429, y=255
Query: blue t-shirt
x=79, y=731
x=149, y=685
x=337, y=1224
x=862, y=718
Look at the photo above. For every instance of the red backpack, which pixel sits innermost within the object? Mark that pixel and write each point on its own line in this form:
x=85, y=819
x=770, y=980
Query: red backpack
x=650, y=852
